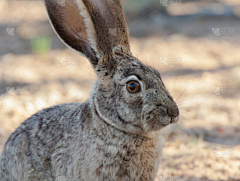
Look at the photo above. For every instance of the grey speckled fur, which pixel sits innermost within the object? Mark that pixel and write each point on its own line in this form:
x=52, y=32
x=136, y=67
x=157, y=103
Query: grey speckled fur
x=114, y=135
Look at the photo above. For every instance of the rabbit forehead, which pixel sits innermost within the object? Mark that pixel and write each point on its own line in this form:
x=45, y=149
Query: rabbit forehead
x=148, y=75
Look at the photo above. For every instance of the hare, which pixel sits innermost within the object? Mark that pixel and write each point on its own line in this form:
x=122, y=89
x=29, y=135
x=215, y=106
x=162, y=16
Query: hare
x=114, y=135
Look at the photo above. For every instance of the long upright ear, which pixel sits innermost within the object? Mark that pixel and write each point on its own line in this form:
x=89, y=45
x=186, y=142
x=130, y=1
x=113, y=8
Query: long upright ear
x=87, y=26
x=112, y=12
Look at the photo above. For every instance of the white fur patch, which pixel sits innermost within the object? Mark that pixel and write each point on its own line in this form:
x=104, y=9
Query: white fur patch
x=91, y=33
x=80, y=53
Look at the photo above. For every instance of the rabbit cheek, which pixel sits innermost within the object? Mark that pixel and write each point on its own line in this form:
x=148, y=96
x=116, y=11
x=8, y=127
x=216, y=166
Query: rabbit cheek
x=129, y=112
x=129, y=105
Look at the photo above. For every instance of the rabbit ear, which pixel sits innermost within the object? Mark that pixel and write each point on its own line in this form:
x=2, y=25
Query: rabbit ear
x=84, y=26
x=113, y=14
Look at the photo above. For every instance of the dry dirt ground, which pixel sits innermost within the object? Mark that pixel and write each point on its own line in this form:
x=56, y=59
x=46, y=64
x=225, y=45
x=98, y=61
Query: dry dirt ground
x=202, y=74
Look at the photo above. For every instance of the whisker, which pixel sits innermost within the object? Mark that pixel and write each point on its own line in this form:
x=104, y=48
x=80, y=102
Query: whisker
x=147, y=145
x=151, y=128
x=145, y=123
x=136, y=141
x=183, y=106
x=202, y=102
x=125, y=153
x=148, y=138
x=183, y=91
x=144, y=130
x=184, y=118
x=182, y=110
x=189, y=132
x=135, y=144
x=119, y=144
x=188, y=99
x=184, y=113
x=148, y=125
x=142, y=146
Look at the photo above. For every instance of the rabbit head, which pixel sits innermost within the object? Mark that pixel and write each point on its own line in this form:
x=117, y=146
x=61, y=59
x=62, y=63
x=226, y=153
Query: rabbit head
x=128, y=95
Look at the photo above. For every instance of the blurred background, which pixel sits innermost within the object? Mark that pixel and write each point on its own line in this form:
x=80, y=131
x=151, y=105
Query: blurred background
x=195, y=45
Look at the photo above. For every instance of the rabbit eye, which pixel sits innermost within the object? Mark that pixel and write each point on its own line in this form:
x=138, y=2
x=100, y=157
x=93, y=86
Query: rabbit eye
x=133, y=87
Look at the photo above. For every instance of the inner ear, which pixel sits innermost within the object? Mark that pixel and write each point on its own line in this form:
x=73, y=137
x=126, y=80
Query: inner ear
x=84, y=26
x=70, y=27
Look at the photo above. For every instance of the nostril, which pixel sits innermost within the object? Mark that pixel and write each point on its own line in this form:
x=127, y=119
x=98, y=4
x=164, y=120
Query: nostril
x=173, y=111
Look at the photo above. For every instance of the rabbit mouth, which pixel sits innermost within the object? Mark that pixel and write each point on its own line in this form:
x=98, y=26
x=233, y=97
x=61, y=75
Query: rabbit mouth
x=174, y=120
x=155, y=119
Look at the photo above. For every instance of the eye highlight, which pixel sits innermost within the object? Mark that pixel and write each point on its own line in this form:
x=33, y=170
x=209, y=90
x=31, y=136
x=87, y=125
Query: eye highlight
x=133, y=86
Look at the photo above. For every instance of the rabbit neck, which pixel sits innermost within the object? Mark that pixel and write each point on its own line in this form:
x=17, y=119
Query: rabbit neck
x=134, y=154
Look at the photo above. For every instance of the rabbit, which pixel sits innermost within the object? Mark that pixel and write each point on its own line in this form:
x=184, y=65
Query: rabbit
x=115, y=134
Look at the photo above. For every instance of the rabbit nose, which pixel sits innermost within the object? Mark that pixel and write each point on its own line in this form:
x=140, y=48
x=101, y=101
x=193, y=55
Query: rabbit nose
x=173, y=111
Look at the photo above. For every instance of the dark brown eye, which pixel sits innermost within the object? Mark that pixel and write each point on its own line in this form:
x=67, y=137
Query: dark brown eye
x=133, y=87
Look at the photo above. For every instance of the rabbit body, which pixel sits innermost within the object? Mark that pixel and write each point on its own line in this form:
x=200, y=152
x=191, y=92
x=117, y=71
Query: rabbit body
x=71, y=142
x=114, y=135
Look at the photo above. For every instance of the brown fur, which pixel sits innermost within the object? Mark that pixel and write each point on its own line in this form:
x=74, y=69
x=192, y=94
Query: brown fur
x=114, y=135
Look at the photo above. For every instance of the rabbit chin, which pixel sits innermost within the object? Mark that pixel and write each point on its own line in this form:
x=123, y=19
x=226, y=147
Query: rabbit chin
x=158, y=123
x=156, y=119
